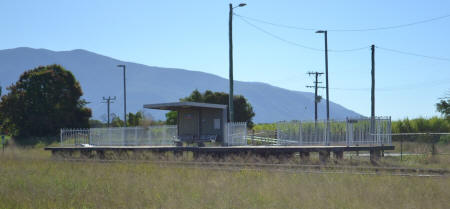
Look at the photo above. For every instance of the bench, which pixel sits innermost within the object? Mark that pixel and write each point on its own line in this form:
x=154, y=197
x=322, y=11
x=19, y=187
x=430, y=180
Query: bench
x=193, y=139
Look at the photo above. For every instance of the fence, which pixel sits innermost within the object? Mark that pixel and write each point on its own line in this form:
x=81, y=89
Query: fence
x=236, y=134
x=130, y=136
x=74, y=137
x=349, y=132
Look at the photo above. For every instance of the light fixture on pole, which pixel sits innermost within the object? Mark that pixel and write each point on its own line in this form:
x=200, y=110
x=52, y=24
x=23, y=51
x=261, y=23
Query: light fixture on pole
x=230, y=35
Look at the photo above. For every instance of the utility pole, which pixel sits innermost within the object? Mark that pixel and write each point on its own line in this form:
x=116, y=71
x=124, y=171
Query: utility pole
x=316, y=86
x=373, y=92
x=230, y=39
x=326, y=84
x=108, y=100
x=124, y=95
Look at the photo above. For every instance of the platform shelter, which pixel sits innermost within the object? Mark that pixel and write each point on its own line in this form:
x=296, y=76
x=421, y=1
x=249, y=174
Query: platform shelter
x=197, y=122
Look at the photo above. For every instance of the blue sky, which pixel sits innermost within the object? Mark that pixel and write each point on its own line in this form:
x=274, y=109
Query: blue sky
x=193, y=35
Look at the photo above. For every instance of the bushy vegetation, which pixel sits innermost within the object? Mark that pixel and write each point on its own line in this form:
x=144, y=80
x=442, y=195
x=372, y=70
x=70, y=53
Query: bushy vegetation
x=265, y=127
x=133, y=120
x=422, y=125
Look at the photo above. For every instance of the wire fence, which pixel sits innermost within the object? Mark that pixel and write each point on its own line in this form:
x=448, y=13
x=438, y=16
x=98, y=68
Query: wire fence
x=361, y=131
x=236, y=134
x=121, y=136
x=349, y=132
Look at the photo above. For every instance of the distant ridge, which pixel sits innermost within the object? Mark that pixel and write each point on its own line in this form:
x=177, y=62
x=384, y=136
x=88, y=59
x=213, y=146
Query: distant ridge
x=100, y=77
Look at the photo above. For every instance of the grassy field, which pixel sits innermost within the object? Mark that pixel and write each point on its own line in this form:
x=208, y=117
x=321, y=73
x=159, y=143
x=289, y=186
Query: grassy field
x=31, y=179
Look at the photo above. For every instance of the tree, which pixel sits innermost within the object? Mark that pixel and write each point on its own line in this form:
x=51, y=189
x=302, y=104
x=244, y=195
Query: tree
x=444, y=107
x=1, y=117
x=134, y=119
x=96, y=124
x=116, y=121
x=171, y=117
x=43, y=101
x=243, y=110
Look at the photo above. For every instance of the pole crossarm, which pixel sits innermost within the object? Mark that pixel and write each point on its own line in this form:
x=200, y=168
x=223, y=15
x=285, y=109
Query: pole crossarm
x=316, y=86
x=108, y=101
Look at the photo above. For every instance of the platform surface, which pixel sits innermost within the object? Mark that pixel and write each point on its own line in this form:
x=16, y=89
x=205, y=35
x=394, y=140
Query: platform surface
x=228, y=148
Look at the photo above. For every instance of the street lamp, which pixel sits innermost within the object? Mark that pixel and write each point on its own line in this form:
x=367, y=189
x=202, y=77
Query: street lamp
x=230, y=34
x=326, y=82
x=124, y=95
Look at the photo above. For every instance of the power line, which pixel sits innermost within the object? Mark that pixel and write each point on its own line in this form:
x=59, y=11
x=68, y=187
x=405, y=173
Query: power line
x=409, y=86
x=414, y=54
x=348, y=30
x=342, y=50
x=297, y=44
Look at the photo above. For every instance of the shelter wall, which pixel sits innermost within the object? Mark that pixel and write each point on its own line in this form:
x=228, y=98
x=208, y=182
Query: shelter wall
x=200, y=121
x=211, y=122
x=188, y=122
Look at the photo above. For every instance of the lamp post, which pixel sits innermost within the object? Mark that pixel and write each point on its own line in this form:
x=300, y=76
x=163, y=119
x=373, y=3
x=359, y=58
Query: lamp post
x=230, y=35
x=326, y=83
x=124, y=95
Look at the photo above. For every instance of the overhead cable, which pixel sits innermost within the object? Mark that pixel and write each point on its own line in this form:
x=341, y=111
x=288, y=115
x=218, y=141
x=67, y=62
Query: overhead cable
x=346, y=29
x=297, y=44
x=414, y=54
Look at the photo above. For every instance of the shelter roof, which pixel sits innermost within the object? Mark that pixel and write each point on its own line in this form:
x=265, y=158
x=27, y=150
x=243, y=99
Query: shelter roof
x=184, y=105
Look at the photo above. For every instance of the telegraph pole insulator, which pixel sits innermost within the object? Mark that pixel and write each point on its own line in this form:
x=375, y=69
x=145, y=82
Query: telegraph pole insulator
x=108, y=100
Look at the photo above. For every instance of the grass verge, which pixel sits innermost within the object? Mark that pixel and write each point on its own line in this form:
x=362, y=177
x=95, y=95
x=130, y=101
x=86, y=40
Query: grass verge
x=30, y=179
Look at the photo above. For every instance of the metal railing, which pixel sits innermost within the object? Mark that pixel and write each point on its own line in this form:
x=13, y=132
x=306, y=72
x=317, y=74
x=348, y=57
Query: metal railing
x=236, y=134
x=74, y=137
x=121, y=136
x=349, y=132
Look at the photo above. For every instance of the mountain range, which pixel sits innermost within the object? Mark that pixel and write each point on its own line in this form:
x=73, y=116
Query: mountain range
x=99, y=77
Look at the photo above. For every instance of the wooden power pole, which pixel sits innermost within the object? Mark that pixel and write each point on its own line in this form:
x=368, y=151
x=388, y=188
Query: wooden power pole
x=108, y=101
x=316, y=86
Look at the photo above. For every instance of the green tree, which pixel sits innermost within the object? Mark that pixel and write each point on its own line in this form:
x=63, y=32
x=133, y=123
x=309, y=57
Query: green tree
x=1, y=117
x=96, y=124
x=243, y=110
x=444, y=107
x=116, y=121
x=171, y=117
x=134, y=119
x=43, y=101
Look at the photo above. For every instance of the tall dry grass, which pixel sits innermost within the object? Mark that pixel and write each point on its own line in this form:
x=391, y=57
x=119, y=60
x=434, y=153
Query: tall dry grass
x=31, y=179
